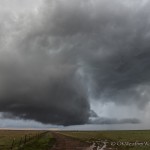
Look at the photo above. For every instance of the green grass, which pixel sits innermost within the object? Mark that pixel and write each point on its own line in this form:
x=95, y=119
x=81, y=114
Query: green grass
x=114, y=136
x=43, y=143
x=7, y=137
x=46, y=140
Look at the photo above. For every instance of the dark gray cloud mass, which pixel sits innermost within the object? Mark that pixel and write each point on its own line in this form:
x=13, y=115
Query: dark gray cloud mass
x=52, y=62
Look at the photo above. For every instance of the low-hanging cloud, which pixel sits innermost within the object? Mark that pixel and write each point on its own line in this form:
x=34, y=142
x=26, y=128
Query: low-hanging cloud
x=52, y=62
x=103, y=120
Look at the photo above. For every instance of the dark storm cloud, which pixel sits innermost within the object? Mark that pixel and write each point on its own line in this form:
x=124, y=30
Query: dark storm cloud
x=58, y=103
x=38, y=81
x=53, y=61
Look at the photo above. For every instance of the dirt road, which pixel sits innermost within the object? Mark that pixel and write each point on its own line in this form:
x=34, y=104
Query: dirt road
x=67, y=143
x=64, y=142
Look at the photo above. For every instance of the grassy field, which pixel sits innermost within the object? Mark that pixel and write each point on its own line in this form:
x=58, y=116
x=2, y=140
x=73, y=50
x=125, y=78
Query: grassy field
x=25, y=140
x=41, y=140
x=138, y=140
x=43, y=143
x=7, y=136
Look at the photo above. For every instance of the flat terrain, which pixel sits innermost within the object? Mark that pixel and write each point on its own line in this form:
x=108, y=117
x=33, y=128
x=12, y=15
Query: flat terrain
x=6, y=136
x=64, y=142
x=119, y=140
x=74, y=140
x=25, y=140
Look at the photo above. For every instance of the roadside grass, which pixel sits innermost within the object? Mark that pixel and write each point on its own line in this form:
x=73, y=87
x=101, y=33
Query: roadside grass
x=43, y=143
x=46, y=141
x=114, y=136
x=7, y=136
x=37, y=141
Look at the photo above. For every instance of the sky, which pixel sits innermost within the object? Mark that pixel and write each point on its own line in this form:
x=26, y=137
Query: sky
x=75, y=64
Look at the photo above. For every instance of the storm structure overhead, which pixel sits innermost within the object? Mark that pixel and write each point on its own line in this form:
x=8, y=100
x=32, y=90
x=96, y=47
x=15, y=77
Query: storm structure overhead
x=75, y=62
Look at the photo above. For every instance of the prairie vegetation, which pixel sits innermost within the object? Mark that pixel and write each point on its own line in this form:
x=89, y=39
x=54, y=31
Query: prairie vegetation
x=122, y=140
x=25, y=140
x=44, y=140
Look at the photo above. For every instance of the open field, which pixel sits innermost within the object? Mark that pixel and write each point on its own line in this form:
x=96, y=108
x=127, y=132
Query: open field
x=25, y=139
x=71, y=140
x=119, y=140
x=7, y=136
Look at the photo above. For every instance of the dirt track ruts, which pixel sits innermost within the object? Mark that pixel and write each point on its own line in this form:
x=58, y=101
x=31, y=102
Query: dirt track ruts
x=64, y=142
